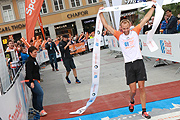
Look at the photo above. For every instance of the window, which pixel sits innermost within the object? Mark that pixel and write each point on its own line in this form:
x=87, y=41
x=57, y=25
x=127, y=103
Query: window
x=75, y=3
x=58, y=4
x=43, y=8
x=92, y=1
x=7, y=13
x=22, y=9
x=21, y=6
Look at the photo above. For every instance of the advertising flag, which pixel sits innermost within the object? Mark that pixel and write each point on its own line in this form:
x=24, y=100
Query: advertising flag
x=32, y=9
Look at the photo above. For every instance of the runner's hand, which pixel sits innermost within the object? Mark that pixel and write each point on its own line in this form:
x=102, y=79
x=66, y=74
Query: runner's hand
x=32, y=85
x=101, y=8
x=154, y=1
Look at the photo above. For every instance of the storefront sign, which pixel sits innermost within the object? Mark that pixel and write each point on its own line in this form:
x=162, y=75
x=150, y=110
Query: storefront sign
x=13, y=27
x=77, y=14
x=4, y=41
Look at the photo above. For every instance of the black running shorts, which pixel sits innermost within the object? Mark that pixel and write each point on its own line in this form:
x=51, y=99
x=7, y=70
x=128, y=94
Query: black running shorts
x=135, y=71
x=69, y=64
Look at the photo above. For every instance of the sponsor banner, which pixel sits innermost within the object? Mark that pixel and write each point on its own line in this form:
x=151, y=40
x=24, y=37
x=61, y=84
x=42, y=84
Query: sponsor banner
x=78, y=48
x=113, y=43
x=91, y=43
x=4, y=74
x=95, y=67
x=42, y=56
x=15, y=103
x=32, y=8
x=105, y=40
x=169, y=45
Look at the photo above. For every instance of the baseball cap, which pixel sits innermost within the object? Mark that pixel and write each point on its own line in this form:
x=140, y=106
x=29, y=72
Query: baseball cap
x=65, y=36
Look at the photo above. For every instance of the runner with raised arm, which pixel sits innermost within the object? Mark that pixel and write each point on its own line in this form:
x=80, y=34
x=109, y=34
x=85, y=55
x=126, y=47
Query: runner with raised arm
x=134, y=65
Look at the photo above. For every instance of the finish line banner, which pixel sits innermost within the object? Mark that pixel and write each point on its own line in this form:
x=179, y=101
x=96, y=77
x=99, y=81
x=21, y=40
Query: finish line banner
x=96, y=52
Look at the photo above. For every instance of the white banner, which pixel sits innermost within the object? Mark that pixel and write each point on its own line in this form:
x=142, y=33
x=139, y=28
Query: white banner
x=95, y=67
x=169, y=45
x=157, y=19
x=4, y=74
x=15, y=103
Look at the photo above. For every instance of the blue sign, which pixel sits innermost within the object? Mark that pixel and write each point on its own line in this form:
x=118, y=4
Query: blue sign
x=162, y=46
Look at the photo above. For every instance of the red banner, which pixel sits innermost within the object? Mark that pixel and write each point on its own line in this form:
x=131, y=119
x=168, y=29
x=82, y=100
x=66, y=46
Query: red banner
x=32, y=8
x=41, y=25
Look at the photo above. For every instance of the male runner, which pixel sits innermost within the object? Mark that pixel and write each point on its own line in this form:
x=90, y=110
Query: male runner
x=134, y=65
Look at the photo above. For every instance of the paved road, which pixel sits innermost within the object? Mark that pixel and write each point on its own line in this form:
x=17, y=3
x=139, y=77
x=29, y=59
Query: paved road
x=112, y=78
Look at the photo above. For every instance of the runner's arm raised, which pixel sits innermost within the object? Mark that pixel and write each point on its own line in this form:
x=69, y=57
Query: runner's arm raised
x=104, y=22
x=148, y=15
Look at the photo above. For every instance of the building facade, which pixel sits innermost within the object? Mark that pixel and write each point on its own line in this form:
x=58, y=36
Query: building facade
x=58, y=16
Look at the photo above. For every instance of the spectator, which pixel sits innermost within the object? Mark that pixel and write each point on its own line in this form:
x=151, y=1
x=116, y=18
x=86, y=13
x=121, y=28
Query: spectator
x=164, y=23
x=150, y=26
x=51, y=48
x=82, y=37
x=171, y=26
x=178, y=23
x=24, y=55
x=33, y=77
x=76, y=38
x=67, y=58
x=31, y=43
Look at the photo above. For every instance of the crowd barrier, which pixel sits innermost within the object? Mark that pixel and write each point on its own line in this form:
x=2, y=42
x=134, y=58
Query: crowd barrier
x=77, y=48
x=103, y=42
x=169, y=46
x=43, y=57
x=15, y=103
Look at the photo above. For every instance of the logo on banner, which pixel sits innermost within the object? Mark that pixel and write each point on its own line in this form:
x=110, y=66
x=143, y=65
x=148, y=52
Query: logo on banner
x=166, y=47
x=98, y=32
x=97, y=44
x=93, y=94
x=113, y=42
x=30, y=8
x=17, y=111
x=96, y=66
x=95, y=75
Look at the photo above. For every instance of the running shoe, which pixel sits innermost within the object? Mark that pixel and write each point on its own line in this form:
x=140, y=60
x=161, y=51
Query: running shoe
x=68, y=80
x=145, y=115
x=131, y=107
x=57, y=69
x=77, y=81
x=52, y=69
x=42, y=113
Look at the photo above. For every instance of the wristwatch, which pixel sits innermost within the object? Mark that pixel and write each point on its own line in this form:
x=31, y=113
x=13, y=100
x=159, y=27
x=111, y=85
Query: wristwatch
x=153, y=6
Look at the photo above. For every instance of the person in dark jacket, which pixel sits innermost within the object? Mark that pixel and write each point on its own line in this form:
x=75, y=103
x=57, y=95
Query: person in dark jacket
x=51, y=48
x=172, y=23
x=67, y=58
x=33, y=77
